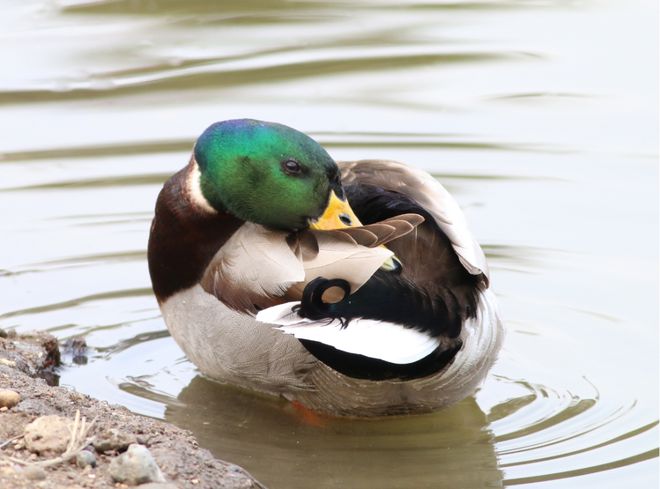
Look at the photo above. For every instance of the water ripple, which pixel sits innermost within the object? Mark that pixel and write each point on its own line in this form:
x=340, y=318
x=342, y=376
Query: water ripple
x=219, y=78
x=101, y=100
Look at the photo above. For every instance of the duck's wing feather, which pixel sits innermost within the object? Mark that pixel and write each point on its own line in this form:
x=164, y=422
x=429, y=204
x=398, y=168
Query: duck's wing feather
x=365, y=348
x=376, y=234
x=352, y=254
x=253, y=269
x=429, y=194
x=420, y=311
x=395, y=344
x=259, y=267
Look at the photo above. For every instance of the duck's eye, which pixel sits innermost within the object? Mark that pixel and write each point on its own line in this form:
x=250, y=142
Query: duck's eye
x=345, y=218
x=291, y=167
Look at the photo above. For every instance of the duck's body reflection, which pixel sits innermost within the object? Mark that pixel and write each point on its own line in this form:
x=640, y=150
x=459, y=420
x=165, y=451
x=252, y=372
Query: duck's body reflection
x=450, y=448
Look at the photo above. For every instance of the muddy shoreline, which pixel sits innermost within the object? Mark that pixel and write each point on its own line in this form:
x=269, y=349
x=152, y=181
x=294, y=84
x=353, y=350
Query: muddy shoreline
x=182, y=463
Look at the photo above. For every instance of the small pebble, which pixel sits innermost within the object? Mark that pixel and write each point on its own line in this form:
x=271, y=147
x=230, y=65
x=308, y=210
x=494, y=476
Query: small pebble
x=113, y=439
x=34, y=473
x=135, y=466
x=3, y=333
x=9, y=398
x=85, y=458
x=47, y=435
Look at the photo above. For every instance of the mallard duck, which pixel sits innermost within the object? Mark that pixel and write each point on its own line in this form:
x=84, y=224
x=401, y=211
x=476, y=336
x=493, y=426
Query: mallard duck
x=349, y=288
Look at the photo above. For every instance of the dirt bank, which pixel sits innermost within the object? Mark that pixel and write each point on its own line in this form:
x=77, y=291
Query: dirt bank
x=26, y=464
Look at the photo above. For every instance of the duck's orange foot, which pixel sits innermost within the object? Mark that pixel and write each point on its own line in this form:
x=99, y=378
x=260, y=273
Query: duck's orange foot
x=309, y=417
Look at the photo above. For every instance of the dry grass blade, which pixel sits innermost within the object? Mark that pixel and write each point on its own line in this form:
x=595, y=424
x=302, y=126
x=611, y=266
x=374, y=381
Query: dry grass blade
x=7, y=442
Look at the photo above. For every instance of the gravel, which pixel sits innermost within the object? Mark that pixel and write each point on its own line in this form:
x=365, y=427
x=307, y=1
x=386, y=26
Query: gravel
x=171, y=456
x=114, y=440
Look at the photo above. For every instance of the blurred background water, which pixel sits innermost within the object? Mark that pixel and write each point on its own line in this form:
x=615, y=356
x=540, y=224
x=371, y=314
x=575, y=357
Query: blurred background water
x=539, y=116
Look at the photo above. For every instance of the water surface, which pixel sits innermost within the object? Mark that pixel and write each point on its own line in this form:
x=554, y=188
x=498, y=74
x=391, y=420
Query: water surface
x=539, y=116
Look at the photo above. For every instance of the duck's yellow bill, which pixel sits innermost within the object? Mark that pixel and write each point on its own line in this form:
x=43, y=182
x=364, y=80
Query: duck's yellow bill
x=339, y=215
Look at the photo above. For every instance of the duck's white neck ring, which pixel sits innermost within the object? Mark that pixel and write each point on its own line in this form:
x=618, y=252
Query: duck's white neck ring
x=194, y=190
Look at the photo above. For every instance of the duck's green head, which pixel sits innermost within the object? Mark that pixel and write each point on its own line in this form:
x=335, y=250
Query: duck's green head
x=266, y=173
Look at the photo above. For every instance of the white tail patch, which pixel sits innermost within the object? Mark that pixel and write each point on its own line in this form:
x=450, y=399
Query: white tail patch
x=375, y=339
